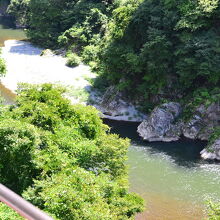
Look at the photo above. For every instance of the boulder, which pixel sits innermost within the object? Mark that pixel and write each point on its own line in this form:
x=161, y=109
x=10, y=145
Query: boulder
x=212, y=152
x=114, y=106
x=161, y=125
x=203, y=122
x=47, y=53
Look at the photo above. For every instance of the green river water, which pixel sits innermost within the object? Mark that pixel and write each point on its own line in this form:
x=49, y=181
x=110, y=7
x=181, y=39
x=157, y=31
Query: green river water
x=171, y=177
x=8, y=31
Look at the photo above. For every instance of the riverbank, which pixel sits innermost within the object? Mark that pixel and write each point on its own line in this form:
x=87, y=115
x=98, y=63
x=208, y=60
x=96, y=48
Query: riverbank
x=26, y=65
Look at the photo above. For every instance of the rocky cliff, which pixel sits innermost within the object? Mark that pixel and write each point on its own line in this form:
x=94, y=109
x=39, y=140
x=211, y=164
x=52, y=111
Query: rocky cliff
x=161, y=124
x=165, y=124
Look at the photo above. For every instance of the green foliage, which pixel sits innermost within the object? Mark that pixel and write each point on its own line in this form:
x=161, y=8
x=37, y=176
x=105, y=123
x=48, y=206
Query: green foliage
x=19, y=9
x=90, y=53
x=73, y=60
x=214, y=211
x=45, y=107
x=90, y=196
x=77, y=20
x=157, y=47
x=201, y=96
x=7, y=213
x=214, y=136
x=146, y=48
x=62, y=159
x=2, y=65
x=18, y=141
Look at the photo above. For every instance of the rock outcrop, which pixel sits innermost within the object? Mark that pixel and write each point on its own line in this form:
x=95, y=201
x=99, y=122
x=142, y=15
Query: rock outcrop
x=47, y=53
x=212, y=152
x=203, y=122
x=161, y=124
x=113, y=106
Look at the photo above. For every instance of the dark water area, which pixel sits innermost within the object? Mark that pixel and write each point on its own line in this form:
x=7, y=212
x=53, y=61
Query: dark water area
x=8, y=30
x=172, y=178
x=7, y=22
x=185, y=152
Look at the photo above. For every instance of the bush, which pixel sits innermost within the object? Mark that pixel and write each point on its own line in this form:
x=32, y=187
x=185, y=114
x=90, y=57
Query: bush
x=90, y=53
x=63, y=153
x=2, y=65
x=213, y=211
x=6, y=213
x=18, y=142
x=45, y=107
x=85, y=195
x=73, y=60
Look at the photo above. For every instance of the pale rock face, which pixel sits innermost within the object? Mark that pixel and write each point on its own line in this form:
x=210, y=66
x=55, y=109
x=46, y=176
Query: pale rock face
x=113, y=106
x=47, y=52
x=201, y=125
x=161, y=126
x=212, y=152
x=193, y=127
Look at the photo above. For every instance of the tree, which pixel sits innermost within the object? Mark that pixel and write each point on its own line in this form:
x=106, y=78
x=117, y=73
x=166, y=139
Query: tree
x=61, y=158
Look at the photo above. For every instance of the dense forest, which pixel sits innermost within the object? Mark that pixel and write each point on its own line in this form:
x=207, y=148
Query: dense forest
x=157, y=50
x=152, y=51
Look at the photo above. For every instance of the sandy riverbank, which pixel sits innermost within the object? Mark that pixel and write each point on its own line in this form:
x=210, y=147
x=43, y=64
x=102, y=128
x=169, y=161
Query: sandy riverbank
x=25, y=65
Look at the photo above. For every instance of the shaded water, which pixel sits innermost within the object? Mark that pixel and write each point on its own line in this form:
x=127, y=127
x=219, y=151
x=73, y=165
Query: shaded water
x=171, y=177
x=8, y=31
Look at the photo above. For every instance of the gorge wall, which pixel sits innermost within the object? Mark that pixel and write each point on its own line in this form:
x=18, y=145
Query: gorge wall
x=3, y=7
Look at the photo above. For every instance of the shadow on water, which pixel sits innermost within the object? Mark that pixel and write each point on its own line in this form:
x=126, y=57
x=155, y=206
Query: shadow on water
x=184, y=152
x=7, y=22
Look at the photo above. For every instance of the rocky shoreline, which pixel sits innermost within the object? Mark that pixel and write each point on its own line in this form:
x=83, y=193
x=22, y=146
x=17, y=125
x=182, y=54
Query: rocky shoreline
x=165, y=124
x=29, y=64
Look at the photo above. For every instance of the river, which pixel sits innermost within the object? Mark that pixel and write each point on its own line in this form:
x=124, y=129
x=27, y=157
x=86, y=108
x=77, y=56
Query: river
x=171, y=177
x=8, y=30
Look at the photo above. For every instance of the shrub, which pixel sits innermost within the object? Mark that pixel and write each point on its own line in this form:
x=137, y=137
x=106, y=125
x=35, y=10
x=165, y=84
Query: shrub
x=2, y=65
x=18, y=142
x=73, y=60
x=90, y=53
x=63, y=153
x=6, y=213
x=85, y=195
x=213, y=211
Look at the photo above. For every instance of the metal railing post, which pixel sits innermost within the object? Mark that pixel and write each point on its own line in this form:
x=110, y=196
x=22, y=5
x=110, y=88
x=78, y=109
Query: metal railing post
x=24, y=208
